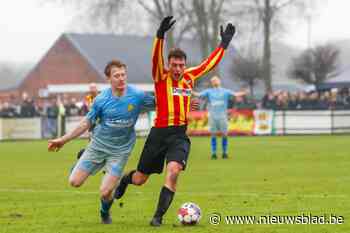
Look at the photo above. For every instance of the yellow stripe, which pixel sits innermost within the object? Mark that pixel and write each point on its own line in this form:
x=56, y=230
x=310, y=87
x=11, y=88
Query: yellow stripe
x=191, y=76
x=154, y=48
x=160, y=59
x=182, y=109
x=188, y=105
x=211, y=64
x=169, y=88
x=156, y=78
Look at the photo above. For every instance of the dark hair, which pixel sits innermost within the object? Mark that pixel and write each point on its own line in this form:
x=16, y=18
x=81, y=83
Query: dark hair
x=112, y=63
x=177, y=53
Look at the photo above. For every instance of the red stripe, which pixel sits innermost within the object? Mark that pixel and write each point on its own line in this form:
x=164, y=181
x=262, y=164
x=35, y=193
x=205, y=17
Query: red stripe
x=162, y=104
x=176, y=100
x=204, y=65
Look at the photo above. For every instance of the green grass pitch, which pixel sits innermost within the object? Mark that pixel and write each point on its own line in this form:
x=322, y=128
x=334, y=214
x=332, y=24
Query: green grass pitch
x=264, y=176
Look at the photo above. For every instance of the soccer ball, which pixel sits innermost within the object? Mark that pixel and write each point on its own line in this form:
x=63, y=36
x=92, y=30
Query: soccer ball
x=189, y=214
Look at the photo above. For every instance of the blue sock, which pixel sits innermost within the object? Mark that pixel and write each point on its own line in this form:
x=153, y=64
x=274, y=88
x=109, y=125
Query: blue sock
x=106, y=205
x=224, y=145
x=213, y=145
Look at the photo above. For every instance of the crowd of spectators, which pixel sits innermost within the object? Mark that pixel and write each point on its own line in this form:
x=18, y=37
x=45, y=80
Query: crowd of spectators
x=278, y=100
x=282, y=100
x=27, y=107
x=327, y=100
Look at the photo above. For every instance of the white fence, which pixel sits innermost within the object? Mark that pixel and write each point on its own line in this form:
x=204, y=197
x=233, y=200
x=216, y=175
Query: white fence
x=311, y=122
x=283, y=123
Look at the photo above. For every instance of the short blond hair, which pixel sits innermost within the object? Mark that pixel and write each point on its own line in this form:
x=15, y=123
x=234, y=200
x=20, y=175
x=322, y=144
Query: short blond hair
x=215, y=78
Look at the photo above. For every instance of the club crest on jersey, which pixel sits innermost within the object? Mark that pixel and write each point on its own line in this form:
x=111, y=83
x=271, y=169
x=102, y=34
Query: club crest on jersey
x=182, y=91
x=130, y=107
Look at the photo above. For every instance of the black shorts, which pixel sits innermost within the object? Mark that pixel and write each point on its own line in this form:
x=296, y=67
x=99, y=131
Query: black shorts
x=170, y=144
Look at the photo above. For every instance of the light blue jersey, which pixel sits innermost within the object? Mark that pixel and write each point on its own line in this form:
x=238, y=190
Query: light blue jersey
x=218, y=99
x=115, y=133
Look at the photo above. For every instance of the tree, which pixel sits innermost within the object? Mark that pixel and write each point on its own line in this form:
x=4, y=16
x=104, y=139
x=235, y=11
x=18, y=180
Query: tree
x=269, y=12
x=315, y=66
x=100, y=13
x=199, y=19
x=116, y=16
x=158, y=9
x=247, y=69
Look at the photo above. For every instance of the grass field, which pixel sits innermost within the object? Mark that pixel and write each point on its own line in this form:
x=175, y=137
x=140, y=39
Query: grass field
x=264, y=176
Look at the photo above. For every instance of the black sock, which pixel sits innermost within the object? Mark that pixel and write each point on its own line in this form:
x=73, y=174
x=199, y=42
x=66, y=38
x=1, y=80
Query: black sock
x=127, y=178
x=106, y=206
x=165, y=199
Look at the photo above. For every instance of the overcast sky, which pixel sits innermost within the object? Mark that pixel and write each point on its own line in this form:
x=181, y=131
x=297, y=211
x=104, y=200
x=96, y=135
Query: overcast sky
x=29, y=29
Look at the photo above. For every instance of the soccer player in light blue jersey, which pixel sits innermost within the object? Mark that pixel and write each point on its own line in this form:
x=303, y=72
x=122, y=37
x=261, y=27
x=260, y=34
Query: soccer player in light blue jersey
x=113, y=138
x=218, y=99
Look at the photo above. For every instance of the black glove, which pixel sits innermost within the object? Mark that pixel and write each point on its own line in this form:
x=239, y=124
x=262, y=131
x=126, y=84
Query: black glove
x=226, y=36
x=165, y=25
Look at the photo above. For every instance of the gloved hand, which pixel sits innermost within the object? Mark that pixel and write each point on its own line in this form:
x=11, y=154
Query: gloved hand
x=165, y=25
x=226, y=36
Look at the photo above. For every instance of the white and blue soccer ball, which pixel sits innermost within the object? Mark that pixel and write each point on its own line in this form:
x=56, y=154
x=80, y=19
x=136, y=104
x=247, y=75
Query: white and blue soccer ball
x=189, y=214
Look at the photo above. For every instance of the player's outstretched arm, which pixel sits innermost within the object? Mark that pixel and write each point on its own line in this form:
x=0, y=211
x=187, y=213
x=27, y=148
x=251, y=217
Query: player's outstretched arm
x=216, y=56
x=57, y=144
x=195, y=94
x=157, y=52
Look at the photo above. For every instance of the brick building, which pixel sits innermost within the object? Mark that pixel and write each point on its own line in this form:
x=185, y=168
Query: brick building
x=75, y=60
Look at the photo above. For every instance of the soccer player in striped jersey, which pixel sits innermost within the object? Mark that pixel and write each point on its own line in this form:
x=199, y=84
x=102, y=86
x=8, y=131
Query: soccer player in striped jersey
x=167, y=140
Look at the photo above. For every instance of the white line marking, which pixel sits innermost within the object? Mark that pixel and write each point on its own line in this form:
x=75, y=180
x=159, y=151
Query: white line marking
x=324, y=195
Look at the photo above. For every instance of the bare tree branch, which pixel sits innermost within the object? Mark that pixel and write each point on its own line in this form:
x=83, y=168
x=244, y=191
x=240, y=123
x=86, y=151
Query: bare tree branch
x=148, y=9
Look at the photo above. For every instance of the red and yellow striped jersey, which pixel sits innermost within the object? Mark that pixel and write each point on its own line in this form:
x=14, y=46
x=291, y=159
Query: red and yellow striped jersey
x=173, y=96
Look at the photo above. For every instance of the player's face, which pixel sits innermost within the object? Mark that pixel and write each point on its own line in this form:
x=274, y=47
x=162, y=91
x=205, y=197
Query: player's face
x=215, y=82
x=118, y=78
x=177, y=67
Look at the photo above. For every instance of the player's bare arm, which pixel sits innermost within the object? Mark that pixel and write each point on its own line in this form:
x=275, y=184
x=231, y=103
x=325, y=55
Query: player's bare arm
x=57, y=144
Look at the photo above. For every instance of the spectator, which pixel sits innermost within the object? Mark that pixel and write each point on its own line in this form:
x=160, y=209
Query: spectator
x=269, y=101
x=71, y=108
x=8, y=111
x=27, y=108
x=52, y=115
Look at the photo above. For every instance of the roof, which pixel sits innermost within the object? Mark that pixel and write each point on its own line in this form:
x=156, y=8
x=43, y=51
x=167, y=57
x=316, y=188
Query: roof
x=136, y=52
x=11, y=77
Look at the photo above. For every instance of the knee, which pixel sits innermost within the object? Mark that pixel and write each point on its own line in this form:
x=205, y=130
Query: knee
x=74, y=182
x=139, y=179
x=105, y=193
x=174, y=170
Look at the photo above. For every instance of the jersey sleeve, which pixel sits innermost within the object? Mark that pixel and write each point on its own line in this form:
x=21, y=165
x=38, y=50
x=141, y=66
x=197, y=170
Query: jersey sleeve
x=94, y=112
x=207, y=65
x=204, y=94
x=230, y=94
x=157, y=59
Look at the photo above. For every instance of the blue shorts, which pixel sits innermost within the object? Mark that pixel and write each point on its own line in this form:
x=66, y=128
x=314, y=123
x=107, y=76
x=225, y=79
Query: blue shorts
x=218, y=125
x=93, y=161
